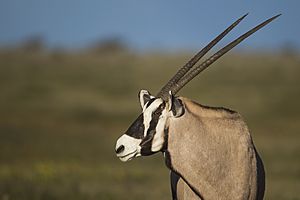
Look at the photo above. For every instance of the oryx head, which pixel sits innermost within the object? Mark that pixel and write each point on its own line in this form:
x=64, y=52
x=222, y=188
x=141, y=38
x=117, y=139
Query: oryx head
x=148, y=133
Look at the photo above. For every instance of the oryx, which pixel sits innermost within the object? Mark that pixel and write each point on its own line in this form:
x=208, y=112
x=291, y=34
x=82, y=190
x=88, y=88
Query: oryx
x=208, y=150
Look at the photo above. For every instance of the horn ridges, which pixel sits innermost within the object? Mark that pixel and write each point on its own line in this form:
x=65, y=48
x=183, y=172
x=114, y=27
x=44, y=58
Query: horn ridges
x=184, y=69
x=188, y=77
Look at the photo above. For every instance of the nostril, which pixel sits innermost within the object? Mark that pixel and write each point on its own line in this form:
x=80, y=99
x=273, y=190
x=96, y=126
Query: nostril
x=120, y=149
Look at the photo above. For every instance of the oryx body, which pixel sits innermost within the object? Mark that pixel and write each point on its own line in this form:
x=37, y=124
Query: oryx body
x=215, y=155
x=208, y=150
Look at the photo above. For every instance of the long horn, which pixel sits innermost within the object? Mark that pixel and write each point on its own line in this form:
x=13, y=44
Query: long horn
x=188, y=77
x=183, y=70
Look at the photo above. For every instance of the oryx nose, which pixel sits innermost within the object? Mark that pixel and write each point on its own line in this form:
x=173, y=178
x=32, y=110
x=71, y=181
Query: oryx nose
x=120, y=149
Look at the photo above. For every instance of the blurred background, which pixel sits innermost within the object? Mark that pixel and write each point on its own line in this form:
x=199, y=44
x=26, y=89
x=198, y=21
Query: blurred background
x=70, y=72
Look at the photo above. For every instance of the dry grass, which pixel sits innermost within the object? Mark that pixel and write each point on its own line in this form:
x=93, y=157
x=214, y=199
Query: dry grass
x=60, y=114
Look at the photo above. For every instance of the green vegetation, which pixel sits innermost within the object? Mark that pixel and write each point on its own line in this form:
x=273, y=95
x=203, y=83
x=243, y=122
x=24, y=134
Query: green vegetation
x=61, y=113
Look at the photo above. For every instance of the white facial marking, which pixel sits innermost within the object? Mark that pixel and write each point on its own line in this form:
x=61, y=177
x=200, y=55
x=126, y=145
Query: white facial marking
x=158, y=139
x=142, y=93
x=147, y=112
x=142, y=98
x=131, y=147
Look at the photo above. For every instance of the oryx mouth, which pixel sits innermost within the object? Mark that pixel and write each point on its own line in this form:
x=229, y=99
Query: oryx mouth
x=128, y=156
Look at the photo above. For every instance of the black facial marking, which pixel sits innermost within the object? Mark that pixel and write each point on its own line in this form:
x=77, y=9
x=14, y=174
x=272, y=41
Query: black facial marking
x=150, y=102
x=136, y=129
x=146, y=143
x=146, y=97
x=159, y=110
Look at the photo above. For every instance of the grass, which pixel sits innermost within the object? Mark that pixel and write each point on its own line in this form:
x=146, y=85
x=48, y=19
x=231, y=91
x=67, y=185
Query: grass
x=61, y=113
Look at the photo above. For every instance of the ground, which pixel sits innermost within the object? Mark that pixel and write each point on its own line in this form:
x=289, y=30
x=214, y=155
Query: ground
x=61, y=113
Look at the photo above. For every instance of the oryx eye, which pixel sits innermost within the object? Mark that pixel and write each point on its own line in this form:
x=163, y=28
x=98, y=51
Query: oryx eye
x=159, y=109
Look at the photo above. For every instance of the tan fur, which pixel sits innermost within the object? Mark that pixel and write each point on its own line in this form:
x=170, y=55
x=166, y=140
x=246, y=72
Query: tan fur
x=182, y=190
x=213, y=151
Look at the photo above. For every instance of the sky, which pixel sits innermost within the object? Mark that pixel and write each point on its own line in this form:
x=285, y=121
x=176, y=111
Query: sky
x=147, y=24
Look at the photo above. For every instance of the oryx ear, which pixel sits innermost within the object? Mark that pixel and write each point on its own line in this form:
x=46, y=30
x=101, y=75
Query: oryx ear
x=144, y=97
x=175, y=105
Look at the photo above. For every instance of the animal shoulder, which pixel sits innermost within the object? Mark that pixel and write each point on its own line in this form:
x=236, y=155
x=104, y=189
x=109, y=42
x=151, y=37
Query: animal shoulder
x=204, y=111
